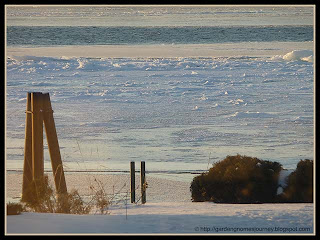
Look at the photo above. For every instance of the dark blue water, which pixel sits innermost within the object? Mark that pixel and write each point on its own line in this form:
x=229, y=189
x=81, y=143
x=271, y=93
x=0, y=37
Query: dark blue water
x=49, y=35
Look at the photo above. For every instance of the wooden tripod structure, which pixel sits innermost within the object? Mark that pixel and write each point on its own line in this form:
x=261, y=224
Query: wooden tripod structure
x=39, y=112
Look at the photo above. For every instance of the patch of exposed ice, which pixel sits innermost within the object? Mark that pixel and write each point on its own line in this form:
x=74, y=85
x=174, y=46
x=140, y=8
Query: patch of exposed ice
x=117, y=65
x=252, y=115
x=81, y=63
x=203, y=98
x=237, y=101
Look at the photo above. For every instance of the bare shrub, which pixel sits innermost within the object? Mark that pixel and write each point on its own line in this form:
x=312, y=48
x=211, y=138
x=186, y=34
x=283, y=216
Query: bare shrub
x=40, y=197
x=100, y=198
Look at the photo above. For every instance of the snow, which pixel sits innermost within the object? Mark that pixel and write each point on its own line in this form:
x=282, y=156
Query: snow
x=296, y=55
x=304, y=55
x=168, y=210
x=174, y=218
x=248, y=114
x=283, y=177
x=279, y=190
x=160, y=189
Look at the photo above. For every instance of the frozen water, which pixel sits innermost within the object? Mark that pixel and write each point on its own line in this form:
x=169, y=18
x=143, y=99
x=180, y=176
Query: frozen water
x=153, y=109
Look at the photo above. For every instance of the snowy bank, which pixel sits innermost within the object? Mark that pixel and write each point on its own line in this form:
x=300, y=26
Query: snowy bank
x=175, y=217
x=303, y=55
x=296, y=55
x=168, y=210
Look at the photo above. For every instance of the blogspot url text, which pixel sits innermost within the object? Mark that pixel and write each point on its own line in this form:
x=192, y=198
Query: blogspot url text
x=253, y=229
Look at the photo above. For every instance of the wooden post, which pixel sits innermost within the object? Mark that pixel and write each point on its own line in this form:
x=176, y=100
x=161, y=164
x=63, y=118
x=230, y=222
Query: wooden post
x=53, y=145
x=143, y=182
x=27, y=165
x=39, y=112
x=133, y=185
x=37, y=135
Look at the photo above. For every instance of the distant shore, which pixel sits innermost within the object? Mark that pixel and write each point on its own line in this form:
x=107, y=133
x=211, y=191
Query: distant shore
x=161, y=51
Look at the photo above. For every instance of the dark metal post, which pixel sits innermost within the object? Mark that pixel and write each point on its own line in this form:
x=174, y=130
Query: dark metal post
x=143, y=182
x=133, y=184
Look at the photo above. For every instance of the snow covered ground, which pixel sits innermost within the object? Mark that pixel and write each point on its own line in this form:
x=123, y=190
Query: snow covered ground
x=175, y=217
x=168, y=210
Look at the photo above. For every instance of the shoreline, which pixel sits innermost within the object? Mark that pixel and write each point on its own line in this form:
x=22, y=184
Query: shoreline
x=159, y=189
x=256, y=49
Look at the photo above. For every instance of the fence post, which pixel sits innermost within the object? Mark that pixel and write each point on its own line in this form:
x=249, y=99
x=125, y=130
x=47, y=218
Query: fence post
x=133, y=185
x=53, y=146
x=143, y=182
x=37, y=135
x=27, y=164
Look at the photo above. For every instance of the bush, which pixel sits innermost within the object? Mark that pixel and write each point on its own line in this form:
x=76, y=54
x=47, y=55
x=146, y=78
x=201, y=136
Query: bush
x=300, y=183
x=40, y=197
x=72, y=203
x=14, y=208
x=238, y=179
